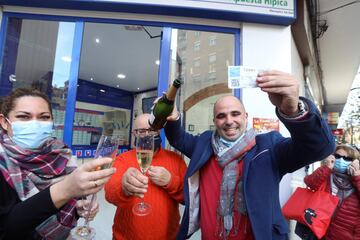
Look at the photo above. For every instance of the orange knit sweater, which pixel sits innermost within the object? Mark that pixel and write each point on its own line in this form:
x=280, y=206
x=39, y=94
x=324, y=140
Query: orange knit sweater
x=163, y=221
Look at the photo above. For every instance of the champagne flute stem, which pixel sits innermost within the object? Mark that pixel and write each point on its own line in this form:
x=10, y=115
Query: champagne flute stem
x=87, y=215
x=142, y=199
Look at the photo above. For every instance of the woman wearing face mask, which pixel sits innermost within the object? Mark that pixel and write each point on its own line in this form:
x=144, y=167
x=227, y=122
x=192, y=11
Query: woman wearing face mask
x=341, y=173
x=39, y=189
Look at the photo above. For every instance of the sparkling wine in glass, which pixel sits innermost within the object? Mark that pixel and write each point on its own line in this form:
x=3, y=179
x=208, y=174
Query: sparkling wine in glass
x=107, y=147
x=144, y=154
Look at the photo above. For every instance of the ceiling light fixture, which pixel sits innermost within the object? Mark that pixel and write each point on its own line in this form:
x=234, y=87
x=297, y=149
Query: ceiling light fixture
x=157, y=62
x=138, y=88
x=97, y=40
x=121, y=76
x=92, y=79
x=118, y=86
x=102, y=90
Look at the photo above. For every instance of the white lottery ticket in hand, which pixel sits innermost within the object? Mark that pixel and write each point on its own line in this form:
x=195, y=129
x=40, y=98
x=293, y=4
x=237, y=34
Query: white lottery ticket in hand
x=242, y=77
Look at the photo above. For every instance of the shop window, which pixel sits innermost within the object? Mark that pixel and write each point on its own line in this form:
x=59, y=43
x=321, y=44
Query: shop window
x=212, y=68
x=182, y=49
x=37, y=54
x=212, y=57
x=182, y=37
x=212, y=40
x=208, y=79
x=112, y=83
x=197, y=46
x=212, y=76
x=197, y=62
x=196, y=77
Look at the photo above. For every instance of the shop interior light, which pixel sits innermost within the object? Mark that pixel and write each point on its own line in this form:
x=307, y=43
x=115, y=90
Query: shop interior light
x=97, y=40
x=138, y=88
x=92, y=79
x=102, y=90
x=121, y=76
x=157, y=62
x=118, y=86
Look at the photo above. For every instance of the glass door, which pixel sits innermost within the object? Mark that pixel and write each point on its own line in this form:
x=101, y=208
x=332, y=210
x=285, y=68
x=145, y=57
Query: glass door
x=203, y=59
x=118, y=78
x=37, y=54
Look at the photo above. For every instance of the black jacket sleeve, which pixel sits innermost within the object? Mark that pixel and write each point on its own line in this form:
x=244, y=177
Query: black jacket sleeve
x=18, y=219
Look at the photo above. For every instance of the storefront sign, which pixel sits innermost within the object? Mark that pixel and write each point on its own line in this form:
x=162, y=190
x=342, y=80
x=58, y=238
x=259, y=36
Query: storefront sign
x=280, y=12
x=269, y=7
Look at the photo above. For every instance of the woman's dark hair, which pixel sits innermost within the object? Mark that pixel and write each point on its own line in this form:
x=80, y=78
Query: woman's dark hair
x=8, y=102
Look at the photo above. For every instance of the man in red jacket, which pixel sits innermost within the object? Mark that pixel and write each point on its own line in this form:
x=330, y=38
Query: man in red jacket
x=162, y=188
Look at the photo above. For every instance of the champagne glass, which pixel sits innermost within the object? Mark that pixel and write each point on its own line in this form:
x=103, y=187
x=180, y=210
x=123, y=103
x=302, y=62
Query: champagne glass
x=144, y=154
x=107, y=147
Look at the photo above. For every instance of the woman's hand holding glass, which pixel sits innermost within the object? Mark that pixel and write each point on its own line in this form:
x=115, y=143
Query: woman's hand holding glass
x=107, y=148
x=82, y=181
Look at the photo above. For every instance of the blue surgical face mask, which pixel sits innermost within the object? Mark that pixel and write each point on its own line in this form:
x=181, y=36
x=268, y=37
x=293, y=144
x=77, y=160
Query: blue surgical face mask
x=341, y=165
x=227, y=143
x=31, y=134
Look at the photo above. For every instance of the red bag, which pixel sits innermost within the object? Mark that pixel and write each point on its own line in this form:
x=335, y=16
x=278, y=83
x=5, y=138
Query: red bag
x=311, y=208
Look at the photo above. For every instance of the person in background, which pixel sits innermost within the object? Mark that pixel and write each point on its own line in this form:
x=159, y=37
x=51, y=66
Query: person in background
x=39, y=189
x=341, y=173
x=163, y=187
x=232, y=182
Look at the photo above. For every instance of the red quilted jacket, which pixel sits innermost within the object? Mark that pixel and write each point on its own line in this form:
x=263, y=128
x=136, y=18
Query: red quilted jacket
x=345, y=224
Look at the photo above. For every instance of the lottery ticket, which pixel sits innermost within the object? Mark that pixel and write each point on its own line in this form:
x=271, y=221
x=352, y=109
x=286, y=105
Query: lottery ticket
x=242, y=77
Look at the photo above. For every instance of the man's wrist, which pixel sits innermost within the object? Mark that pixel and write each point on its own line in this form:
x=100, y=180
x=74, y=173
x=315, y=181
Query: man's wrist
x=302, y=111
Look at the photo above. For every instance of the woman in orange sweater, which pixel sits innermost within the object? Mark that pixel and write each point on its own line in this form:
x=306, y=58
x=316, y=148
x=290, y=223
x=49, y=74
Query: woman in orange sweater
x=163, y=186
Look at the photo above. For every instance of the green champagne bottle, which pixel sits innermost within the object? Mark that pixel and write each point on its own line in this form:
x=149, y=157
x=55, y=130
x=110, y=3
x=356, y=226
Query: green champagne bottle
x=164, y=106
